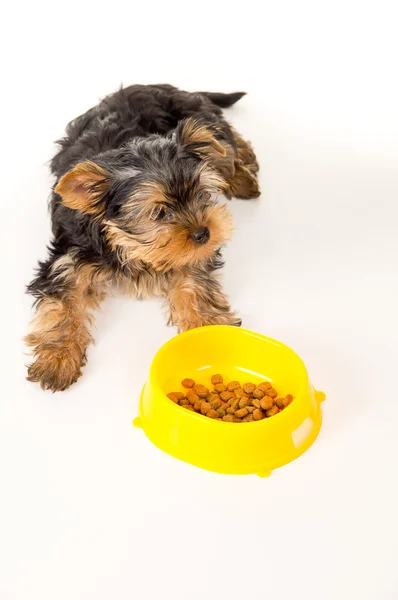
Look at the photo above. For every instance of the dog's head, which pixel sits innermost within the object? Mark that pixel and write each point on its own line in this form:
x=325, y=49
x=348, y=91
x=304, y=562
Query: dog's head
x=156, y=198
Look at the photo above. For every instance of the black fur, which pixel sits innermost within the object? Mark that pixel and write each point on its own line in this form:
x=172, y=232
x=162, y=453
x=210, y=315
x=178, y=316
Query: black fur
x=136, y=185
x=139, y=114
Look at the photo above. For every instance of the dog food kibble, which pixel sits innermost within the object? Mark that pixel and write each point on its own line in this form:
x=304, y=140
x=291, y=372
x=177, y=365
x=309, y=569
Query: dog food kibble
x=205, y=407
x=192, y=398
x=249, y=388
x=242, y=412
x=175, y=396
x=219, y=388
x=247, y=418
x=228, y=418
x=187, y=383
x=201, y=391
x=266, y=403
x=265, y=385
x=243, y=402
x=198, y=404
x=213, y=414
x=231, y=402
x=258, y=414
x=234, y=403
x=234, y=385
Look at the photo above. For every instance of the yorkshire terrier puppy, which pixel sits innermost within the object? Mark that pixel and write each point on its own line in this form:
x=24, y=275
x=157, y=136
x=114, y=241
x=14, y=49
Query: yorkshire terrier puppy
x=135, y=204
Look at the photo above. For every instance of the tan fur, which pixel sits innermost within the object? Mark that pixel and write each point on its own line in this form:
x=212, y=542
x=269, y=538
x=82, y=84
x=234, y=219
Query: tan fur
x=244, y=184
x=148, y=195
x=237, y=167
x=59, y=336
x=194, y=132
x=172, y=248
x=196, y=299
x=83, y=188
x=245, y=152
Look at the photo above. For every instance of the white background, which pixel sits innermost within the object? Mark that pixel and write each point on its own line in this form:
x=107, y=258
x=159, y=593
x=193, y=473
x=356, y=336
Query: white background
x=89, y=509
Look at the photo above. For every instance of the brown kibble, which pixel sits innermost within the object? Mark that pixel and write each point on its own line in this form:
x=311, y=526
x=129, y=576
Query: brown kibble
x=212, y=414
x=234, y=403
x=228, y=418
x=175, y=396
x=219, y=388
x=198, y=404
x=249, y=388
x=284, y=401
x=192, y=398
x=214, y=398
x=242, y=412
x=233, y=385
x=204, y=408
x=266, y=403
x=264, y=385
x=187, y=383
x=201, y=391
x=258, y=414
x=247, y=419
x=243, y=402
x=215, y=404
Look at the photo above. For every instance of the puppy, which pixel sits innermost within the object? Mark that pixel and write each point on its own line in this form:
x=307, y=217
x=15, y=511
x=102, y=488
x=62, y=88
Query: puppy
x=135, y=204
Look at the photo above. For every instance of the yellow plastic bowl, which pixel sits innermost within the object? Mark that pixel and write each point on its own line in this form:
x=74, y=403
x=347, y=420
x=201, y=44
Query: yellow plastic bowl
x=235, y=448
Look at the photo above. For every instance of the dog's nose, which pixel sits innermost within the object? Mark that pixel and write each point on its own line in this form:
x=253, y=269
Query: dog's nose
x=201, y=235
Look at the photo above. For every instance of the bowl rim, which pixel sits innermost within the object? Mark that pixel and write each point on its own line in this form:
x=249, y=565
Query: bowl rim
x=214, y=422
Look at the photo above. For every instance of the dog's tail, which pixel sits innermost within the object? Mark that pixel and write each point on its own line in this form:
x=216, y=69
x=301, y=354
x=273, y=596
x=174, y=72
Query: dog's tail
x=223, y=100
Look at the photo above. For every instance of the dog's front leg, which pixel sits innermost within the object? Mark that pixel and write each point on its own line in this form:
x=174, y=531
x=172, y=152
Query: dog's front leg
x=60, y=333
x=196, y=299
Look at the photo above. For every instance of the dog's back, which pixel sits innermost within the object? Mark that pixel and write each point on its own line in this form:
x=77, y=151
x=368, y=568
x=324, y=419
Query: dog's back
x=135, y=111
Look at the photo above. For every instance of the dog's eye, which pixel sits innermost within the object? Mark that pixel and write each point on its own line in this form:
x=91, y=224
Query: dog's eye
x=162, y=214
x=205, y=196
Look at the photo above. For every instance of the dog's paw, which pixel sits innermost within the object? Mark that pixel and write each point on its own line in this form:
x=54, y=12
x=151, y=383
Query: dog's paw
x=222, y=318
x=230, y=318
x=55, y=371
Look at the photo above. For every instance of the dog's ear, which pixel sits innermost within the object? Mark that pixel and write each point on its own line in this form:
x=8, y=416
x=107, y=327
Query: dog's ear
x=84, y=188
x=199, y=137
